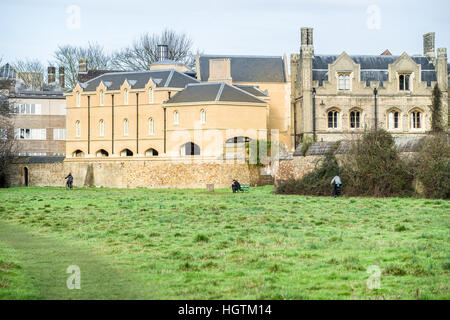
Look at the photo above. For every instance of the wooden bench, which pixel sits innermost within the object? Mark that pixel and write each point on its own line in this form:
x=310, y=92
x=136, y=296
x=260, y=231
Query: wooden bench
x=245, y=187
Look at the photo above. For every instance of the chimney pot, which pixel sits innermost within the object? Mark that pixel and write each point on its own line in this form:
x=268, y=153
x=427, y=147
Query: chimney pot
x=428, y=44
x=62, y=83
x=82, y=65
x=51, y=75
x=163, y=50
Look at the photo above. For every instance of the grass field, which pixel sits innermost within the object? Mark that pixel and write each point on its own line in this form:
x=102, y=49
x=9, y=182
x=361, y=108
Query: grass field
x=190, y=244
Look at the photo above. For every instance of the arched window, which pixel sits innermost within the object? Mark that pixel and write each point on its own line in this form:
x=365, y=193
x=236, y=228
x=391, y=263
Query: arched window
x=355, y=119
x=190, y=149
x=125, y=96
x=78, y=128
x=333, y=116
x=125, y=127
x=102, y=98
x=176, y=117
x=151, y=126
x=78, y=154
x=102, y=128
x=203, y=116
x=344, y=81
x=102, y=153
x=151, y=153
x=126, y=153
x=404, y=82
x=416, y=119
x=78, y=99
x=150, y=95
x=393, y=119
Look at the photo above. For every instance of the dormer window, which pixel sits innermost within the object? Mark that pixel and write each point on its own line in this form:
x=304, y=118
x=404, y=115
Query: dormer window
x=403, y=81
x=344, y=81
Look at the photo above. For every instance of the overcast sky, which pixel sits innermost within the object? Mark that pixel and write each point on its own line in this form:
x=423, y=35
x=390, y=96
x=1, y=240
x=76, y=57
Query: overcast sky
x=34, y=29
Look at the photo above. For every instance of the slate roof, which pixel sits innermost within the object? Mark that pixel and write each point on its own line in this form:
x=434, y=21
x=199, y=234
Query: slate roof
x=138, y=79
x=252, y=90
x=38, y=159
x=213, y=91
x=248, y=68
x=373, y=67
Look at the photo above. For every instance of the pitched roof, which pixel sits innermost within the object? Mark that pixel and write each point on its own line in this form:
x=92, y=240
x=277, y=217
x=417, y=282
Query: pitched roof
x=373, y=67
x=139, y=79
x=213, y=91
x=252, y=90
x=248, y=68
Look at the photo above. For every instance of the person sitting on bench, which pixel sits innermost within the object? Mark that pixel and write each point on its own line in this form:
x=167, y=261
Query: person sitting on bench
x=236, y=186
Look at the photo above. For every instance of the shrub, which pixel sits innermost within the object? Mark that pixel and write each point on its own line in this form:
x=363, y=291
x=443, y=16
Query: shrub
x=201, y=238
x=315, y=183
x=373, y=168
x=433, y=166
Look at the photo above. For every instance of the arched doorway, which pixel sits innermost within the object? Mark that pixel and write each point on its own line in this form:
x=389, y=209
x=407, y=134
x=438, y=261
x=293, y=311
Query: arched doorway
x=151, y=153
x=25, y=176
x=126, y=153
x=102, y=153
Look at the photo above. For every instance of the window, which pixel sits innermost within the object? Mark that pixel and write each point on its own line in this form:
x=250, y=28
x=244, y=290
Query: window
x=126, y=153
x=176, y=117
x=102, y=128
x=125, y=97
x=344, y=81
x=355, y=119
x=78, y=128
x=27, y=108
x=203, y=116
x=416, y=119
x=102, y=98
x=151, y=126
x=3, y=133
x=78, y=99
x=78, y=154
x=30, y=134
x=404, y=82
x=102, y=153
x=150, y=95
x=190, y=149
x=393, y=120
x=333, y=119
x=125, y=127
x=151, y=153
x=59, y=134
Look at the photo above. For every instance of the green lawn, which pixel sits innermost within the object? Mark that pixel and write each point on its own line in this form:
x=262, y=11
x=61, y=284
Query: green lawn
x=190, y=244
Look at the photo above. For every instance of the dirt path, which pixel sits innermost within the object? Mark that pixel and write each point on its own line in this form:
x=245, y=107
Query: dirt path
x=45, y=260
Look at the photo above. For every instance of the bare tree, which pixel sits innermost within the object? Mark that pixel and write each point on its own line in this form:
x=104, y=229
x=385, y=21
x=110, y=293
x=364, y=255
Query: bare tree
x=31, y=72
x=144, y=51
x=8, y=144
x=67, y=56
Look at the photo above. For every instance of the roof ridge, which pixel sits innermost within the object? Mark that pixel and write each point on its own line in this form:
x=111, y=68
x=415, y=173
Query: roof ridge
x=169, y=78
x=219, y=92
x=239, y=56
x=245, y=92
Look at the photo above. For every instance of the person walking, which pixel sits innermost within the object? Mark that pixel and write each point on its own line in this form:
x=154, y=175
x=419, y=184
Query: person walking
x=336, y=182
x=69, y=178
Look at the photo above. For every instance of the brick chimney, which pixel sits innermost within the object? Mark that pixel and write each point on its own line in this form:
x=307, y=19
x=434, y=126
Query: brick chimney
x=82, y=65
x=61, y=76
x=51, y=75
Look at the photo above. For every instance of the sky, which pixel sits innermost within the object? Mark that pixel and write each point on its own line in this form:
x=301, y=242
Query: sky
x=34, y=29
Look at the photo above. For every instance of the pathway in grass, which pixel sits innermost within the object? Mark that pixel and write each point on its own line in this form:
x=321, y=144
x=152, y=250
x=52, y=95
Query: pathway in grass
x=45, y=260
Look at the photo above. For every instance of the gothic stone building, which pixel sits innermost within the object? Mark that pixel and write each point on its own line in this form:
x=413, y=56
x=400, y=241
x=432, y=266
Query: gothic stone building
x=336, y=96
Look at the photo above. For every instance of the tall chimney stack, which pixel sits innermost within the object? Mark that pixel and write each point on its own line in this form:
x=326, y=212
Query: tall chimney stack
x=163, y=50
x=307, y=46
x=51, y=75
x=82, y=65
x=61, y=76
x=428, y=46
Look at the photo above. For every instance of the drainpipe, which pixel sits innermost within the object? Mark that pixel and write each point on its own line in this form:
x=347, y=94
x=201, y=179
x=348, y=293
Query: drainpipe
x=112, y=124
x=137, y=123
x=375, y=92
x=89, y=124
x=314, y=112
x=295, y=125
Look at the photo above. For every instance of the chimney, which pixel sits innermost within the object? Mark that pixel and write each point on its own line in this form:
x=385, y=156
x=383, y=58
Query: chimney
x=82, y=65
x=51, y=75
x=307, y=47
x=163, y=51
x=61, y=76
x=428, y=45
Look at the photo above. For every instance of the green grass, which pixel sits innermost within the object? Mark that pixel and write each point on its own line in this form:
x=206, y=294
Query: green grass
x=191, y=244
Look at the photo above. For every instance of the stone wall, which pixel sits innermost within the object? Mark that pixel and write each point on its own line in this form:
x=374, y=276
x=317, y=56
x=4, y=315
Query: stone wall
x=131, y=173
x=296, y=167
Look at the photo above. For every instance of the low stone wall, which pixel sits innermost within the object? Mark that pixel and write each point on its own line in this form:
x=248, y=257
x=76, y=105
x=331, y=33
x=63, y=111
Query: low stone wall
x=296, y=167
x=131, y=173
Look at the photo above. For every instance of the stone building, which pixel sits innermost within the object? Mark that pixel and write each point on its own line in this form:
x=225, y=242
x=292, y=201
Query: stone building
x=39, y=116
x=172, y=111
x=336, y=96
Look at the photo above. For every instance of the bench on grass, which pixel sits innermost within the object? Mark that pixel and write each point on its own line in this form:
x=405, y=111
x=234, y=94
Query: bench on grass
x=245, y=187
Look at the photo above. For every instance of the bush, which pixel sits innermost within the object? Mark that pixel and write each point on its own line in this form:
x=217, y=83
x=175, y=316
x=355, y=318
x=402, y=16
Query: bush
x=316, y=183
x=433, y=166
x=373, y=168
